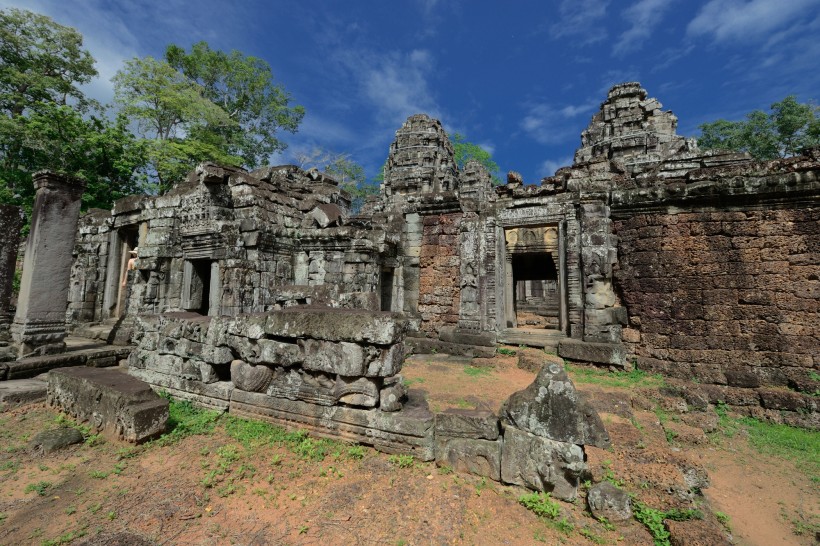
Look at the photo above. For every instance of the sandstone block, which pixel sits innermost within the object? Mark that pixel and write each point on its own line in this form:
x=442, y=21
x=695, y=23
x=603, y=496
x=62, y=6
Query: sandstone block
x=552, y=408
x=110, y=401
x=330, y=324
x=460, y=423
x=609, y=502
x=474, y=456
x=541, y=464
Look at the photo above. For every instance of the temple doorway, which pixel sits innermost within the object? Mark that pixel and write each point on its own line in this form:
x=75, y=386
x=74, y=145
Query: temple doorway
x=535, y=287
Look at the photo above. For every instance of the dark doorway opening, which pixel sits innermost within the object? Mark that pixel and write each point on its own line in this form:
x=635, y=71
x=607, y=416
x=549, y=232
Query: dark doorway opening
x=535, y=290
x=387, y=289
x=198, y=290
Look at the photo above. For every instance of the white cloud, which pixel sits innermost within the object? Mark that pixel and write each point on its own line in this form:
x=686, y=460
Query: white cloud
x=548, y=124
x=744, y=20
x=580, y=19
x=643, y=17
x=394, y=83
x=549, y=166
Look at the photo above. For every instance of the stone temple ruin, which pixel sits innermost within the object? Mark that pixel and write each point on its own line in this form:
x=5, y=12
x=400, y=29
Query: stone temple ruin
x=259, y=293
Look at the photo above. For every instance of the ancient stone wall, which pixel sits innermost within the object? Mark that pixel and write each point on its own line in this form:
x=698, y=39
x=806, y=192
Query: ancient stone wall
x=730, y=298
x=440, y=272
x=11, y=221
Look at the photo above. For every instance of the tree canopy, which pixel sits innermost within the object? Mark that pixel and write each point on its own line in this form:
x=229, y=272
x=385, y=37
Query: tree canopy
x=349, y=174
x=465, y=151
x=789, y=127
x=46, y=122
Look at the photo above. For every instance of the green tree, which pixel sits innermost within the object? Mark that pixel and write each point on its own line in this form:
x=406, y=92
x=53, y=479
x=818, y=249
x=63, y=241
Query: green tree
x=464, y=151
x=46, y=122
x=174, y=118
x=349, y=174
x=243, y=87
x=790, y=127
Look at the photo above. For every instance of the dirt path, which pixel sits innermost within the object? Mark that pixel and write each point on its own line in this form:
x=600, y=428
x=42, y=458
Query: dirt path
x=217, y=488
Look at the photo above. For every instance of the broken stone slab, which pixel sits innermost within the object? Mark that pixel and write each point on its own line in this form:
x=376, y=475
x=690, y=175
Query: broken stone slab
x=331, y=324
x=393, y=394
x=607, y=502
x=214, y=396
x=479, y=457
x=49, y=441
x=17, y=392
x=406, y=432
x=111, y=401
x=541, y=464
x=552, y=408
x=467, y=423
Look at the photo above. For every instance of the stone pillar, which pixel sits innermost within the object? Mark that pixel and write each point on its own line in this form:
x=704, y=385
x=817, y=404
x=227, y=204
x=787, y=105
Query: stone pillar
x=11, y=221
x=41, y=307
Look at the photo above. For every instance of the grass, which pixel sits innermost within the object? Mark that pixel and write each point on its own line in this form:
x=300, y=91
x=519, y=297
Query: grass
x=475, y=371
x=504, y=351
x=652, y=519
x=41, y=488
x=783, y=441
x=185, y=420
x=401, y=461
x=594, y=376
x=540, y=504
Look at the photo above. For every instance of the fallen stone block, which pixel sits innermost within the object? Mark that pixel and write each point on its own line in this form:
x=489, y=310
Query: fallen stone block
x=463, y=423
x=541, y=464
x=552, y=408
x=607, y=502
x=599, y=353
x=111, y=401
x=479, y=457
x=53, y=440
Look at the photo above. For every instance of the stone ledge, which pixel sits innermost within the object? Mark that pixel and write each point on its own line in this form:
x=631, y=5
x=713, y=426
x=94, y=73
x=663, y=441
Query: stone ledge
x=111, y=401
x=598, y=353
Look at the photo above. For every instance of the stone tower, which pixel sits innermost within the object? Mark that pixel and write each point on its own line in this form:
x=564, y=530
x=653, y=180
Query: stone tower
x=421, y=159
x=631, y=129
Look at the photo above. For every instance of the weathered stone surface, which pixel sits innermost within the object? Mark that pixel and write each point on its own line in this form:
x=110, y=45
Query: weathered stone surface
x=278, y=353
x=56, y=439
x=479, y=457
x=598, y=353
x=409, y=431
x=11, y=221
x=39, y=321
x=608, y=502
x=110, y=401
x=552, y=408
x=17, y=392
x=249, y=377
x=359, y=391
x=541, y=464
x=336, y=325
x=393, y=394
x=463, y=423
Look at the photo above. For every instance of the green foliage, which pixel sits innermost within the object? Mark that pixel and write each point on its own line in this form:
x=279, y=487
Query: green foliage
x=47, y=123
x=504, y=351
x=187, y=420
x=594, y=376
x=401, y=461
x=802, y=446
x=243, y=87
x=465, y=151
x=541, y=505
x=785, y=131
x=349, y=174
x=477, y=371
x=356, y=452
x=66, y=538
x=724, y=520
x=592, y=536
x=652, y=519
x=41, y=488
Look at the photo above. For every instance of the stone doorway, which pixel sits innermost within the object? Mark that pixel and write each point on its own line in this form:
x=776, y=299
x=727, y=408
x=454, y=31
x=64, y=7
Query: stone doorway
x=122, y=242
x=200, y=286
x=535, y=288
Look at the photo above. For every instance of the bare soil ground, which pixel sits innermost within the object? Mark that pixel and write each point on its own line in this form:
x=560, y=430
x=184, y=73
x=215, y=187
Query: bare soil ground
x=222, y=487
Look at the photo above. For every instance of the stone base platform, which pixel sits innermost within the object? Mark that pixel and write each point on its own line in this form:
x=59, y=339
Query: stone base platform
x=22, y=391
x=532, y=337
x=408, y=432
x=80, y=352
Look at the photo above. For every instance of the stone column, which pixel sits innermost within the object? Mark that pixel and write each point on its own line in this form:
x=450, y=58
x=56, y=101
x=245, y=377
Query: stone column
x=40, y=318
x=11, y=221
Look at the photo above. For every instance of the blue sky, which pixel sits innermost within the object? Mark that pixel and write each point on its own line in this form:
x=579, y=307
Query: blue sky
x=521, y=78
